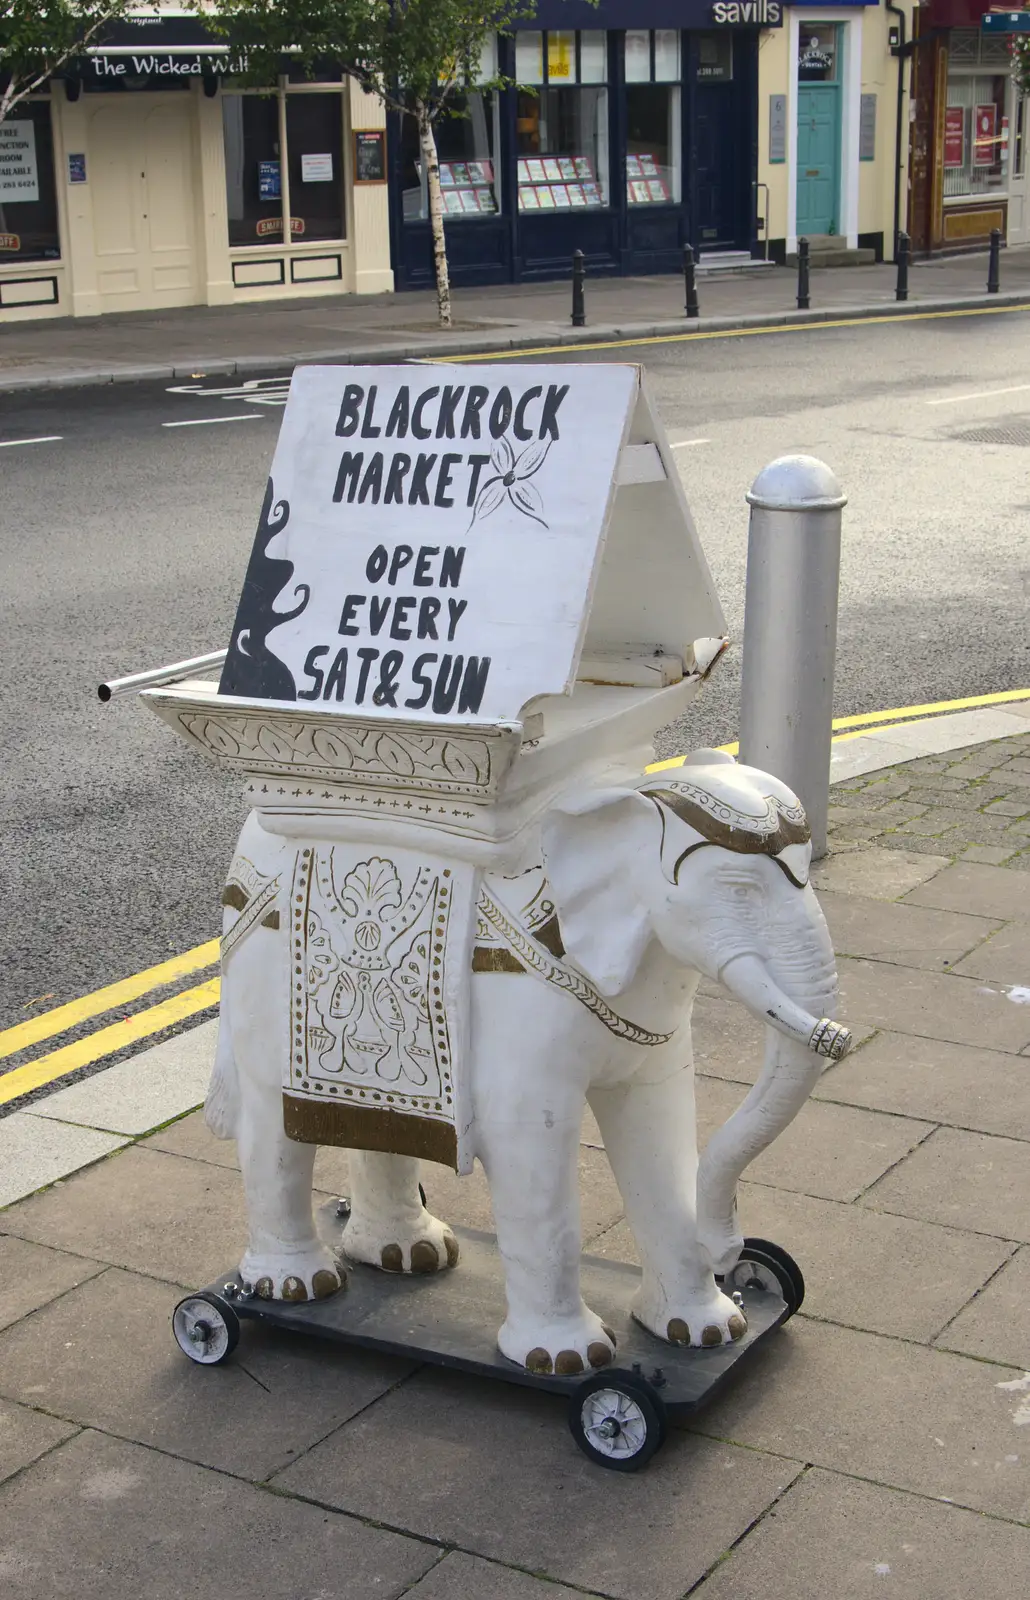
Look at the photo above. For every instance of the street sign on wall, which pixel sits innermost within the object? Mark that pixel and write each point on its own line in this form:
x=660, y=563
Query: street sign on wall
x=1006, y=22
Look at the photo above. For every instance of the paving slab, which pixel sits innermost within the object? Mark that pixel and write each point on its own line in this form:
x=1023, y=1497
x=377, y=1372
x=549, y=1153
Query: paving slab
x=909, y=936
x=251, y=1416
x=833, y=1536
x=102, y=1519
x=933, y=1005
x=140, y=1094
x=31, y=1275
x=925, y=1420
x=182, y=1221
x=876, y=873
x=26, y=1435
x=986, y=1090
x=462, y=1577
x=494, y=1470
x=864, y=1268
x=967, y=1180
x=829, y=1150
x=34, y=1153
x=977, y=889
x=1003, y=958
x=995, y=1326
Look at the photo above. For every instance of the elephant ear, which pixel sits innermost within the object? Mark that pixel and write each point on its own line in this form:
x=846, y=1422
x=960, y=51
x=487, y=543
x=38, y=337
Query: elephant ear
x=601, y=850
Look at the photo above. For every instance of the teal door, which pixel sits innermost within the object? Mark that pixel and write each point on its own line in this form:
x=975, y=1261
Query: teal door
x=818, y=158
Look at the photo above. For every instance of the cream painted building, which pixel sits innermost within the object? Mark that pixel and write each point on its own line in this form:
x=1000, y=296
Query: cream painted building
x=828, y=148
x=145, y=179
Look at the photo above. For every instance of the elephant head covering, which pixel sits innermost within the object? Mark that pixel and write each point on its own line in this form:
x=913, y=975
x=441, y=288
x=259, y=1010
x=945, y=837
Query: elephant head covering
x=713, y=801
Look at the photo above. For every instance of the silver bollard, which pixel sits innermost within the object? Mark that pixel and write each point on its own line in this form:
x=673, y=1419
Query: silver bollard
x=790, y=630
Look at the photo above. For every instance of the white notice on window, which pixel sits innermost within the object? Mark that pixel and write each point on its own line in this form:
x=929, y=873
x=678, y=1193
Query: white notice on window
x=316, y=169
x=19, y=175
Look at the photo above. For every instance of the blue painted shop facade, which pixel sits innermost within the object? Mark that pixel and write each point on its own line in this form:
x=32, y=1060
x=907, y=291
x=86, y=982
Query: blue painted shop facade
x=624, y=141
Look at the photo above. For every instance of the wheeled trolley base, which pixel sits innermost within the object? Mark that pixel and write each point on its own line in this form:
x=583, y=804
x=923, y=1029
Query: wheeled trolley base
x=618, y=1414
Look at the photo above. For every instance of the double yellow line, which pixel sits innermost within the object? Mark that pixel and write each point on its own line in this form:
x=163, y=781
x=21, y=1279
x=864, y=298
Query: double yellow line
x=188, y=1002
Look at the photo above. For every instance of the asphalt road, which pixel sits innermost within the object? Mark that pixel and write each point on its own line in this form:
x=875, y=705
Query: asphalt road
x=125, y=539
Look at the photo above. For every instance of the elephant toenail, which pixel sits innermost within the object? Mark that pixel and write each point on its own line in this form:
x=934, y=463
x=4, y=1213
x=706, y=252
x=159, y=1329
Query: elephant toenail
x=711, y=1335
x=677, y=1332
x=450, y=1244
x=568, y=1362
x=325, y=1283
x=598, y=1354
x=609, y=1332
x=538, y=1361
x=293, y=1289
x=737, y=1327
x=263, y=1289
x=392, y=1258
x=424, y=1257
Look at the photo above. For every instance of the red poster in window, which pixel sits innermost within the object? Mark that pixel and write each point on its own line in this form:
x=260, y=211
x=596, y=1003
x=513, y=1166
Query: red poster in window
x=985, y=127
x=954, y=136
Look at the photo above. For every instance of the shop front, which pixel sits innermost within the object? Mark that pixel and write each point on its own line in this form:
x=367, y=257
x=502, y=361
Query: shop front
x=146, y=177
x=625, y=142
x=969, y=133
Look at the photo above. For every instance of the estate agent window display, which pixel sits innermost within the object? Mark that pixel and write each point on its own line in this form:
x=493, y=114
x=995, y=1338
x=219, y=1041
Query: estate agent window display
x=653, y=140
x=29, y=228
x=284, y=165
x=561, y=136
x=467, y=145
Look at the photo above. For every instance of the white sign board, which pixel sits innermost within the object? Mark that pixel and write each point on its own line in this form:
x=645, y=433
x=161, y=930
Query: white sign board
x=430, y=537
x=316, y=168
x=19, y=175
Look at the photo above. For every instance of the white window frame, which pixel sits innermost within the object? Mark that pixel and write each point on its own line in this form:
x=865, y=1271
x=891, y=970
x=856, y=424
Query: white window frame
x=283, y=88
x=850, y=78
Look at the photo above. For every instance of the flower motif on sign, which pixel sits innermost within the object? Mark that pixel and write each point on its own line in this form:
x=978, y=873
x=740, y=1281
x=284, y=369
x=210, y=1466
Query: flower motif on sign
x=511, y=480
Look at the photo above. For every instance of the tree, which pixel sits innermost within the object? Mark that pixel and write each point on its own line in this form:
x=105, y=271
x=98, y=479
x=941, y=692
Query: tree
x=416, y=56
x=39, y=37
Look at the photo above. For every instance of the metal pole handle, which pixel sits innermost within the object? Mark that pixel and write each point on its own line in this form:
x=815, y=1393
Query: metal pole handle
x=158, y=675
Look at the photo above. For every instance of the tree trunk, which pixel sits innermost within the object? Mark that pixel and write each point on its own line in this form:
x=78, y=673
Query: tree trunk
x=431, y=161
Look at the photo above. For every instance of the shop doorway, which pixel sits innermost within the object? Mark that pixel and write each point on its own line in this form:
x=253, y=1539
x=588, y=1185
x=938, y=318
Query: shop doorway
x=141, y=161
x=717, y=131
x=819, y=130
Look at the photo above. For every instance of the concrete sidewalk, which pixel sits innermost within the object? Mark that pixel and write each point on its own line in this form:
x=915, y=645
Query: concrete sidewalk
x=258, y=337
x=881, y=1446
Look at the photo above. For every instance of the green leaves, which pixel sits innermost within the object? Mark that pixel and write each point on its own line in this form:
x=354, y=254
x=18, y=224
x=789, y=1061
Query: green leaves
x=37, y=37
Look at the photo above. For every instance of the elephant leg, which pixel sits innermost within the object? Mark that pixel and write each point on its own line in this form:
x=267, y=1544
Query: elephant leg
x=389, y=1226
x=650, y=1134
x=532, y=1170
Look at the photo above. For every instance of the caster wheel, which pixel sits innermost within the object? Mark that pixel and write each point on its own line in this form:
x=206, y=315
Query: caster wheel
x=206, y=1328
x=618, y=1420
x=768, y=1267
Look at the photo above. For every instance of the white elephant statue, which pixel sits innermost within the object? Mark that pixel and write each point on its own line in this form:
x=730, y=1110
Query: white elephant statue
x=584, y=975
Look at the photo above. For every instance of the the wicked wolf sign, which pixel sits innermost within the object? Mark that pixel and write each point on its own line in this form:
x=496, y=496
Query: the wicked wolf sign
x=430, y=537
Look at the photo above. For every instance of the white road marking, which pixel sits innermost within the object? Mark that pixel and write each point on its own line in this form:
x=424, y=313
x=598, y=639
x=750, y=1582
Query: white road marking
x=201, y=422
x=983, y=394
x=253, y=392
x=44, y=438
x=684, y=444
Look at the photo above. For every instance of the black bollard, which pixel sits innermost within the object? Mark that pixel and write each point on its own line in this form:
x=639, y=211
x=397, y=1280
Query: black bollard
x=579, y=272
x=904, y=247
x=690, y=282
x=994, y=263
x=803, y=275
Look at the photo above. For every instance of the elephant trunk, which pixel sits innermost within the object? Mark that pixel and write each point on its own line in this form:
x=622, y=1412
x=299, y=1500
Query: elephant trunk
x=798, y=1042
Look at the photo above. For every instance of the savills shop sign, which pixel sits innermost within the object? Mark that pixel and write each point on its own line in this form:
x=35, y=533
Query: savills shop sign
x=747, y=14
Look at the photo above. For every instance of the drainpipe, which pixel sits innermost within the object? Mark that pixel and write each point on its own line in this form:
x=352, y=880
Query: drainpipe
x=902, y=51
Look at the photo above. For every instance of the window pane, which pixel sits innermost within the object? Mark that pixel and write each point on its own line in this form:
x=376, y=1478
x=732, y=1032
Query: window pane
x=561, y=56
x=253, y=190
x=314, y=144
x=28, y=225
x=973, y=134
x=593, y=57
x=715, y=57
x=468, y=168
x=562, y=142
x=817, y=52
x=652, y=148
x=667, y=55
x=638, y=56
x=487, y=67
x=529, y=57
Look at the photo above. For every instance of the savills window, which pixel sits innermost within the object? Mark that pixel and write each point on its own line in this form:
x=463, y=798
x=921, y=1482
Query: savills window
x=562, y=128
